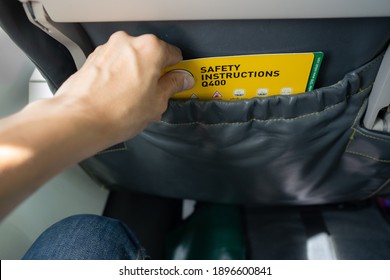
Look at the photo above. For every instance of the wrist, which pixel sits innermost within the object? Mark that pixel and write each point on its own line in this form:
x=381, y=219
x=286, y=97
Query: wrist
x=68, y=124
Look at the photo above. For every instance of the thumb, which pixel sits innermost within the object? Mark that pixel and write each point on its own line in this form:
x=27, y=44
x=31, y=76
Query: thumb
x=175, y=81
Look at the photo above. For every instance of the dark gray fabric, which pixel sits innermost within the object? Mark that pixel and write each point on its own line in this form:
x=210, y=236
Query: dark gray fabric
x=274, y=233
x=302, y=149
x=359, y=234
x=346, y=43
x=356, y=232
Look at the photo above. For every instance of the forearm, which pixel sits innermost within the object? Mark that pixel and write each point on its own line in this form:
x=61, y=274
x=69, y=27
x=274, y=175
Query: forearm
x=115, y=95
x=40, y=141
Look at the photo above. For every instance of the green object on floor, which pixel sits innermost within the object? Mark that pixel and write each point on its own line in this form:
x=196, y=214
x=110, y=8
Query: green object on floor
x=212, y=232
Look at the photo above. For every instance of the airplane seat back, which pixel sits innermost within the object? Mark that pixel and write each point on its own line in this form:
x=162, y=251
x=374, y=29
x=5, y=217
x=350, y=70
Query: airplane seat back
x=308, y=148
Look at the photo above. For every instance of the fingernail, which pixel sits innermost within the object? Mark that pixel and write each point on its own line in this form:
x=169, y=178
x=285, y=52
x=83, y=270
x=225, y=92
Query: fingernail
x=189, y=80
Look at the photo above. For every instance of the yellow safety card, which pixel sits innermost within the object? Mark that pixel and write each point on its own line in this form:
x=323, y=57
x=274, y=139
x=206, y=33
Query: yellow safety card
x=248, y=76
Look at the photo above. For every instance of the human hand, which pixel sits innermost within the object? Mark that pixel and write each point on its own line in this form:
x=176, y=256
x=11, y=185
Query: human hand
x=120, y=88
x=114, y=96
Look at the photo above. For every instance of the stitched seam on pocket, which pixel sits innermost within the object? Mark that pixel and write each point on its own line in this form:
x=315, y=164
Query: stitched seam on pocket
x=352, y=136
x=372, y=137
x=367, y=156
x=381, y=187
x=350, y=139
x=269, y=120
x=362, y=108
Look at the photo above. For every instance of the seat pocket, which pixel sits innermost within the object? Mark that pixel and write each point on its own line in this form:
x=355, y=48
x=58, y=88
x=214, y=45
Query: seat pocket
x=275, y=150
x=370, y=152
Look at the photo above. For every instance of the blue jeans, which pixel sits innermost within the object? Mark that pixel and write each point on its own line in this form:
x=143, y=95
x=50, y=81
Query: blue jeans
x=86, y=237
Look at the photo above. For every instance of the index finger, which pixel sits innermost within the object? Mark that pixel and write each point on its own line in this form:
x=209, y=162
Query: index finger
x=172, y=56
x=165, y=53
